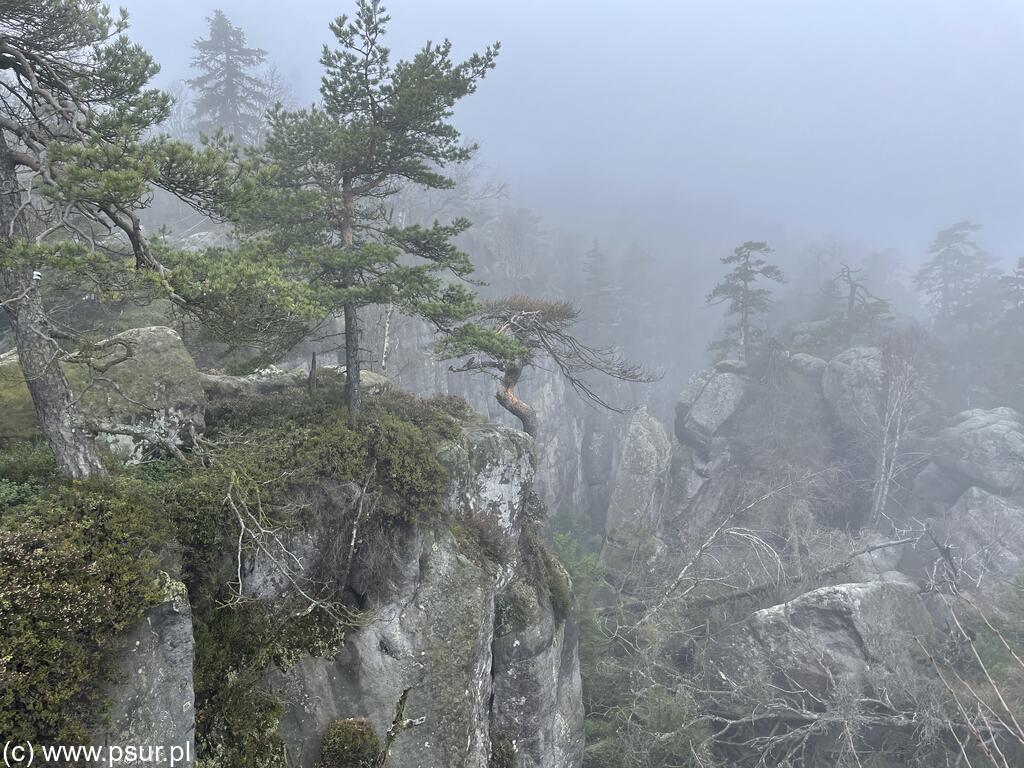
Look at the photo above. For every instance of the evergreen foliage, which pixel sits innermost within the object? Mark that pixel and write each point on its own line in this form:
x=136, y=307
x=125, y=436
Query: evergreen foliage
x=229, y=89
x=379, y=126
x=744, y=300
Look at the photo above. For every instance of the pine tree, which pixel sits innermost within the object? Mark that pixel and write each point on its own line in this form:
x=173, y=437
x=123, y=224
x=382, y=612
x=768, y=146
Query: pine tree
x=75, y=165
x=954, y=274
x=745, y=300
x=230, y=94
x=378, y=126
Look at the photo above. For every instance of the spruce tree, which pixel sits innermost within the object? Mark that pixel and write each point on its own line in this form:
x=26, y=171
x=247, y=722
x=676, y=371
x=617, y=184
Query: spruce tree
x=379, y=126
x=76, y=167
x=230, y=94
x=955, y=275
x=745, y=301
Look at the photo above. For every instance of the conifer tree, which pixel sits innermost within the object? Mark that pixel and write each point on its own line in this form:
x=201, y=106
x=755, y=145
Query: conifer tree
x=75, y=169
x=508, y=336
x=739, y=290
x=954, y=274
x=230, y=94
x=379, y=125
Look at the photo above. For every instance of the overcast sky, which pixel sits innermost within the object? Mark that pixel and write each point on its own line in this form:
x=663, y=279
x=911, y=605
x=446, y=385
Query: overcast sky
x=708, y=123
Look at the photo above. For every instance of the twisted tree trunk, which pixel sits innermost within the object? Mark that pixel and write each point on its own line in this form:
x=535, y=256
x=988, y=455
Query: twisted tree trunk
x=74, y=450
x=510, y=402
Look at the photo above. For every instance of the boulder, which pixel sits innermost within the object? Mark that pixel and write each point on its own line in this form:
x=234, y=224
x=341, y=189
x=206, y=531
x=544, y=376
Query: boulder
x=707, y=402
x=155, y=390
x=819, y=653
x=985, y=536
x=852, y=384
x=272, y=380
x=808, y=364
x=987, y=447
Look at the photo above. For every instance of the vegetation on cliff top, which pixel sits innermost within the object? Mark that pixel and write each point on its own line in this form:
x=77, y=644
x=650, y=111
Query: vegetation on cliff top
x=80, y=561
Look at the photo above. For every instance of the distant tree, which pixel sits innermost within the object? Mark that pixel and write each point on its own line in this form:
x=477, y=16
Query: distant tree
x=230, y=94
x=510, y=335
x=76, y=167
x=862, y=307
x=602, y=295
x=379, y=126
x=738, y=289
x=953, y=274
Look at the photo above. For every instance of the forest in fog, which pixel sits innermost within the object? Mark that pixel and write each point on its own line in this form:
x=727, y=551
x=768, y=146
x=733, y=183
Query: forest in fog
x=512, y=385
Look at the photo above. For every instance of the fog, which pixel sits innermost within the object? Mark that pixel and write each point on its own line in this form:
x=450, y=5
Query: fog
x=681, y=425
x=691, y=126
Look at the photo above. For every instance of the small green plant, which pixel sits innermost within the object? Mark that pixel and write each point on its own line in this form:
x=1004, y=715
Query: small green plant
x=349, y=743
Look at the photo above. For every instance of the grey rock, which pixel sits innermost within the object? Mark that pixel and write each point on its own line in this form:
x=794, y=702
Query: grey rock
x=638, y=486
x=527, y=661
x=987, y=447
x=808, y=364
x=707, y=402
x=836, y=638
x=852, y=384
x=985, y=534
x=152, y=700
x=273, y=380
x=433, y=633
x=154, y=390
x=935, y=483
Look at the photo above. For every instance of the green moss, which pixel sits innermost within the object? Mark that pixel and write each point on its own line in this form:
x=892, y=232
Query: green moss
x=77, y=566
x=349, y=744
x=79, y=562
x=515, y=608
x=550, y=578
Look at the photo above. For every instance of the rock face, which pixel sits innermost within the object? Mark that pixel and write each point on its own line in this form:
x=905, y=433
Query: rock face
x=829, y=634
x=987, y=447
x=152, y=694
x=482, y=675
x=710, y=398
x=831, y=645
x=639, y=486
x=986, y=535
x=852, y=384
x=154, y=390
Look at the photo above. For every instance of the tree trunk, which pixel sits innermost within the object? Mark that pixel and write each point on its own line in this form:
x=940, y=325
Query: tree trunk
x=510, y=402
x=352, y=388
x=352, y=384
x=74, y=451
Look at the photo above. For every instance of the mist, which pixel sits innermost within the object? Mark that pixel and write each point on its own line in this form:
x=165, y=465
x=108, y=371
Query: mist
x=690, y=125
x=616, y=386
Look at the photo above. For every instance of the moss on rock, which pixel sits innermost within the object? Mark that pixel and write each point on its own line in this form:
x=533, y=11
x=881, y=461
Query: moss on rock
x=350, y=743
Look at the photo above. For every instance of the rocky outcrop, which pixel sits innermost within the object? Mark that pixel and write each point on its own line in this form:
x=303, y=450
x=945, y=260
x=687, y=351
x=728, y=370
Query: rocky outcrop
x=638, y=488
x=152, y=696
x=476, y=675
x=984, y=536
x=537, y=712
x=852, y=384
x=813, y=654
x=707, y=402
x=987, y=447
x=143, y=395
